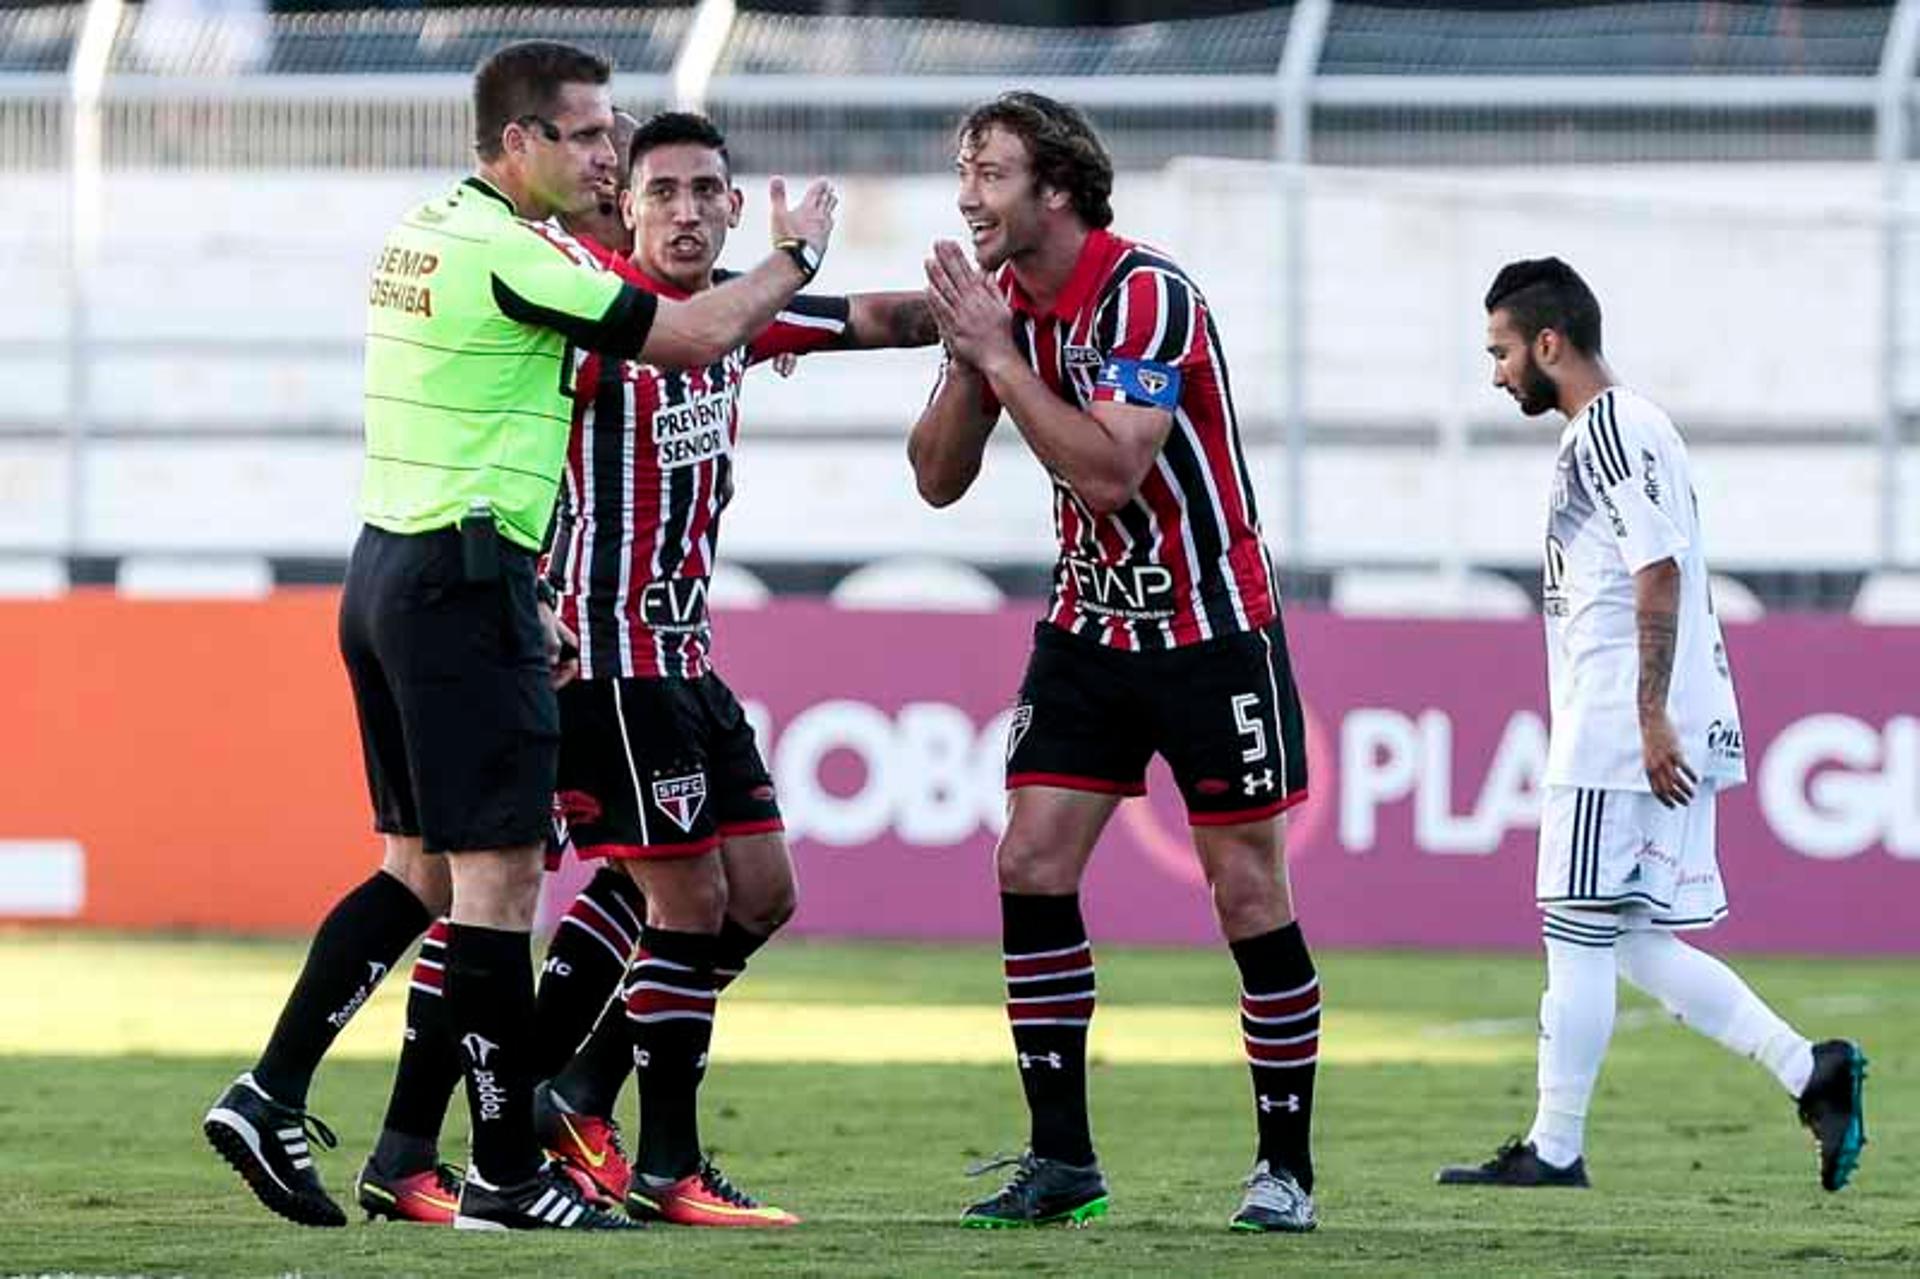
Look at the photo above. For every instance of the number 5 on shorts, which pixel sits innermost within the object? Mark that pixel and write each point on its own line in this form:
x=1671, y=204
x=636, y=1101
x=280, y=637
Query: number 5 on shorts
x=1246, y=708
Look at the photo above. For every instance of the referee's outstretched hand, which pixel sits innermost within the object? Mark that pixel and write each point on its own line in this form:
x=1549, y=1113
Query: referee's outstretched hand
x=810, y=220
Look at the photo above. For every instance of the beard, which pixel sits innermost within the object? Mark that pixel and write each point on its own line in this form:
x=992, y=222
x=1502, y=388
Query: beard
x=1537, y=391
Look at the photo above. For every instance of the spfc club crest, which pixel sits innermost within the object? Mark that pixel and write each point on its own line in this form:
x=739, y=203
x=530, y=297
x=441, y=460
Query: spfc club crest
x=680, y=798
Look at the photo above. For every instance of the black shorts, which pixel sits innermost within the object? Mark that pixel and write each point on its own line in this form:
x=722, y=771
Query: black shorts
x=1224, y=713
x=450, y=679
x=659, y=768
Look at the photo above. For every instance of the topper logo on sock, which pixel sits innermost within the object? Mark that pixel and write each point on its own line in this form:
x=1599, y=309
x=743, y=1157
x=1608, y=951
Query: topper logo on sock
x=478, y=1047
x=339, y=1018
x=1289, y=1103
x=681, y=798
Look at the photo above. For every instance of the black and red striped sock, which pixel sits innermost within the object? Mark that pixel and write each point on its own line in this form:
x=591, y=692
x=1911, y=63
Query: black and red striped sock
x=1050, y=996
x=429, y=1067
x=670, y=1002
x=1280, y=1023
x=586, y=958
x=357, y=944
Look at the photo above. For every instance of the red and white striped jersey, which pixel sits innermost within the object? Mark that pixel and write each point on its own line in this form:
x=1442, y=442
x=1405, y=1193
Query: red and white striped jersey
x=649, y=471
x=1183, y=561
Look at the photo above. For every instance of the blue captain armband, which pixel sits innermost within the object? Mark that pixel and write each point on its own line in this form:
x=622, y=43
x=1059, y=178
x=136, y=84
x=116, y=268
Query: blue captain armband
x=1142, y=382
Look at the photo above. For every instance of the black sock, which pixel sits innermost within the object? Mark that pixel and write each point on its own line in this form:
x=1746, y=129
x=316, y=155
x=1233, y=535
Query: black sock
x=1280, y=1022
x=490, y=1013
x=1050, y=989
x=670, y=1003
x=357, y=944
x=736, y=946
x=429, y=1068
x=585, y=961
x=591, y=1082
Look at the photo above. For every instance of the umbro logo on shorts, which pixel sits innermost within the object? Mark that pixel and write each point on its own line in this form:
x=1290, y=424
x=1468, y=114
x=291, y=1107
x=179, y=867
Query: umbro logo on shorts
x=680, y=798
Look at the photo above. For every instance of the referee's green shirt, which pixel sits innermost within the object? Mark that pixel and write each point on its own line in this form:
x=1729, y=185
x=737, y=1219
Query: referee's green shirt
x=472, y=321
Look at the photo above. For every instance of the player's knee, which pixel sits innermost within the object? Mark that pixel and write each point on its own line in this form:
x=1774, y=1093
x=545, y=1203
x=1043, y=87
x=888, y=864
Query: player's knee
x=1249, y=900
x=764, y=906
x=1034, y=866
x=426, y=875
x=496, y=889
x=1640, y=952
x=689, y=902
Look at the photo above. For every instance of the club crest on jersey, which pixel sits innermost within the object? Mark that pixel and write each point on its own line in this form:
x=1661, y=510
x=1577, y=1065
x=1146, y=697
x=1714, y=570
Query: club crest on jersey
x=681, y=798
x=1017, y=726
x=1082, y=357
x=1145, y=380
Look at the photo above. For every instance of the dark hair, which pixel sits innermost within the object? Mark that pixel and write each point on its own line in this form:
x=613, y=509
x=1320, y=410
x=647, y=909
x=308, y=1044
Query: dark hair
x=522, y=81
x=1062, y=148
x=1546, y=293
x=670, y=128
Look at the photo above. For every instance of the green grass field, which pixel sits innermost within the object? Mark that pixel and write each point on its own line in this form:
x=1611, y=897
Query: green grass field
x=853, y=1083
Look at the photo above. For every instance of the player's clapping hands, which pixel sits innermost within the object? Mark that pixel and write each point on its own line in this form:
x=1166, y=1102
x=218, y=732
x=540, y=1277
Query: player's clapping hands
x=974, y=319
x=810, y=220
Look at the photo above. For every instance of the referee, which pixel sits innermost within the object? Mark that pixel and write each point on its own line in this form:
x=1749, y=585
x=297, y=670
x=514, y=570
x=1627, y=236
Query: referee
x=477, y=309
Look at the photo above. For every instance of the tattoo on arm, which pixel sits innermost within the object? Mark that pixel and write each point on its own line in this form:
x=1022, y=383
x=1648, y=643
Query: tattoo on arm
x=1659, y=633
x=892, y=320
x=911, y=324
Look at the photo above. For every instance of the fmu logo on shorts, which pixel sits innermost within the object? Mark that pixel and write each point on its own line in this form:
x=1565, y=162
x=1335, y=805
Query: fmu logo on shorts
x=680, y=798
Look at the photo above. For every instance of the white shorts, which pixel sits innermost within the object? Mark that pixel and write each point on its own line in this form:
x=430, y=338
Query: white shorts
x=1627, y=852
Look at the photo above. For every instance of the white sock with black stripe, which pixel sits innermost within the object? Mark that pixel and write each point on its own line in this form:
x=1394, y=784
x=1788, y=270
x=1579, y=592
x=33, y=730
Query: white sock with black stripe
x=1705, y=994
x=1576, y=1021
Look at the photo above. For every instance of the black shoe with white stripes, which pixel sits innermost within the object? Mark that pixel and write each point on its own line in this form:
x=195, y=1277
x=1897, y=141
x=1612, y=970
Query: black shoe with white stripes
x=549, y=1200
x=267, y=1142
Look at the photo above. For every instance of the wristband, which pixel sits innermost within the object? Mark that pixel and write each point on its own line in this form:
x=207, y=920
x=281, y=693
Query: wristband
x=804, y=256
x=546, y=592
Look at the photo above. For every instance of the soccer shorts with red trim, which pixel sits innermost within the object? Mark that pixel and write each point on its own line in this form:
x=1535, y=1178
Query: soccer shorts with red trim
x=661, y=767
x=1224, y=714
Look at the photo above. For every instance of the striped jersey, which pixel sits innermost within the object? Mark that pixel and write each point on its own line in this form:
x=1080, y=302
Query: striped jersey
x=649, y=471
x=1183, y=561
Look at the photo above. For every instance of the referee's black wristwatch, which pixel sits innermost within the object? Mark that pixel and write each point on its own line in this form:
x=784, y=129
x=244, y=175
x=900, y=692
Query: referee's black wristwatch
x=546, y=592
x=804, y=256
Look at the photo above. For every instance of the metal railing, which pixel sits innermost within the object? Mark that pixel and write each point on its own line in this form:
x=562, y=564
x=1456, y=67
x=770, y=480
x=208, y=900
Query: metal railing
x=1311, y=85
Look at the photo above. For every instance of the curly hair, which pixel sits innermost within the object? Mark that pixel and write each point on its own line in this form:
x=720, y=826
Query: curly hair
x=1062, y=148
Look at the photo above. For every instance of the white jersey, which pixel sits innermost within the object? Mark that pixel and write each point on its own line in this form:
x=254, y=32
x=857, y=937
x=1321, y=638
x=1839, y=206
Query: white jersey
x=1623, y=499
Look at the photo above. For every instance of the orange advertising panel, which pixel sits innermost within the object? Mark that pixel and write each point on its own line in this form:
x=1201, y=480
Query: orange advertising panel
x=179, y=763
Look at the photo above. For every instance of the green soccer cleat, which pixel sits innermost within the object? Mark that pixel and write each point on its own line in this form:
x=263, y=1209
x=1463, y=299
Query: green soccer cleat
x=1041, y=1192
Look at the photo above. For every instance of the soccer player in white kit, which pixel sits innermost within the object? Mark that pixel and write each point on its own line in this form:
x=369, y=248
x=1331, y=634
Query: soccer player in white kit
x=1645, y=734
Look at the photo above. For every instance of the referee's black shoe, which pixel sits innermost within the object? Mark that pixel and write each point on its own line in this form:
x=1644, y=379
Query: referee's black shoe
x=1516, y=1164
x=548, y=1200
x=1833, y=1109
x=1041, y=1192
x=267, y=1143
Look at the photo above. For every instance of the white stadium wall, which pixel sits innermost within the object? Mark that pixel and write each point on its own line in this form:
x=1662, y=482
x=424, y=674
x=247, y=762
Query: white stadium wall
x=1745, y=298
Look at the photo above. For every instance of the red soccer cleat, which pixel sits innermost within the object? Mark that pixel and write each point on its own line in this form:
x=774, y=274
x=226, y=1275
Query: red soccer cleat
x=429, y=1198
x=588, y=1147
x=703, y=1198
